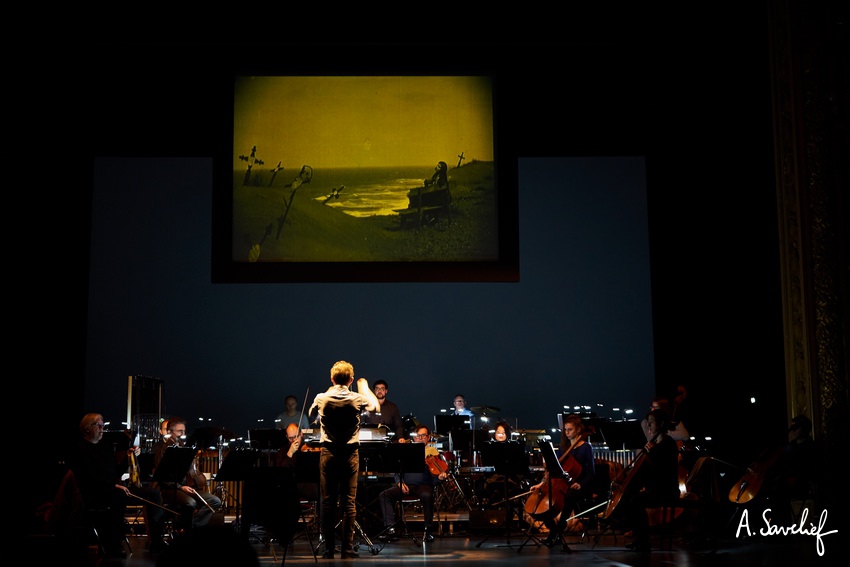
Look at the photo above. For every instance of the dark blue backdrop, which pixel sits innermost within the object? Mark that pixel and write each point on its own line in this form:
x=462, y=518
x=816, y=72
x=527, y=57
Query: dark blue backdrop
x=576, y=328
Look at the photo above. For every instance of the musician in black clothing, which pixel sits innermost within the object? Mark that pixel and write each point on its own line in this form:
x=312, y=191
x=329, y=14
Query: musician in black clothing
x=97, y=470
x=338, y=410
x=653, y=480
x=576, y=456
x=387, y=414
x=419, y=484
x=189, y=496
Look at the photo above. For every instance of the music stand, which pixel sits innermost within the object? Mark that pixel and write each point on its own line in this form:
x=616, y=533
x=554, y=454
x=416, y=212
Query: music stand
x=268, y=438
x=445, y=424
x=467, y=440
x=238, y=466
x=555, y=471
x=269, y=441
x=623, y=435
x=509, y=459
x=397, y=458
x=118, y=440
x=174, y=465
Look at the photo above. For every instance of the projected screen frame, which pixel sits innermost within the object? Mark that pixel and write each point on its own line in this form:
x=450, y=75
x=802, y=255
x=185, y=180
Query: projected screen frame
x=468, y=233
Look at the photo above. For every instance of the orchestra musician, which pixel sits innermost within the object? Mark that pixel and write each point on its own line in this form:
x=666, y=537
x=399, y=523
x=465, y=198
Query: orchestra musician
x=189, y=496
x=287, y=458
x=97, y=470
x=575, y=455
x=419, y=484
x=338, y=410
x=652, y=480
x=678, y=431
x=291, y=414
x=491, y=487
x=460, y=408
x=387, y=414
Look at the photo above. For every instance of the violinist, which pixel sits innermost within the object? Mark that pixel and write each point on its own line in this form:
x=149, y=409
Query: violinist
x=189, y=496
x=419, y=484
x=576, y=457
x=288, y=457
x=652, y=480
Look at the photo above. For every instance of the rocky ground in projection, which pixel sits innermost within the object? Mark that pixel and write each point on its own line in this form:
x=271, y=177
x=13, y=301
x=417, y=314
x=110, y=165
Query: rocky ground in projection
x=310, y=231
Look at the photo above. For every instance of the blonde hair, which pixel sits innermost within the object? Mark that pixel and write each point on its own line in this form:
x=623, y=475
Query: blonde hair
x=342, y=372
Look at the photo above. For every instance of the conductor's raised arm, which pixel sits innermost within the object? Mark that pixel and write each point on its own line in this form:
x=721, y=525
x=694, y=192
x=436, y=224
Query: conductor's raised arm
x=363, y=388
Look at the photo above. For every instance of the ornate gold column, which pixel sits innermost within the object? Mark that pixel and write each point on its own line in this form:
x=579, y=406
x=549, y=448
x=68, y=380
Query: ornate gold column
x=810, y=90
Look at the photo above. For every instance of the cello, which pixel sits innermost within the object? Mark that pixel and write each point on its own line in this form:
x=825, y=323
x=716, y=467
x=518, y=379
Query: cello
x=750, y=483
x=549, y=498
x=621, y=483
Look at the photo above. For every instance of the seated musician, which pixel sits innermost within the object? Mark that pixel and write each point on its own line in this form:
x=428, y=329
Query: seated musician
x=574, y=453
x=387, y=415
x=419, y=484
x=97, y=473
x=189, y=496
x=288, y=458
x=491, y=488
x=654, y=479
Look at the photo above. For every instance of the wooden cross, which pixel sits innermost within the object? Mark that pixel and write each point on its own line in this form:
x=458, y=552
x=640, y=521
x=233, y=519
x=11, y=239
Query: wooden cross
x=461, y=158
x=252, y=160
x=274, y=172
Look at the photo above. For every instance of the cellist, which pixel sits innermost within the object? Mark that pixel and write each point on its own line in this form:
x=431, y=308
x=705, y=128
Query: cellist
x=576, y=457
x=189, y=497
x=652, y=479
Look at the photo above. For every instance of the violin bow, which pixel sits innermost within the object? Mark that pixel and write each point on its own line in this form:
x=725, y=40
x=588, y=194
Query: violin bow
x=303, y=407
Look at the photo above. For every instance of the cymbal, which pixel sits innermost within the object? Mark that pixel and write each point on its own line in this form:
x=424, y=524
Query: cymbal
x=485, y=409
x=533, y=431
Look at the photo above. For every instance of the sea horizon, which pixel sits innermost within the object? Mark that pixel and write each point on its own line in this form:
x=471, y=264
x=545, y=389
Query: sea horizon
x=356, y=191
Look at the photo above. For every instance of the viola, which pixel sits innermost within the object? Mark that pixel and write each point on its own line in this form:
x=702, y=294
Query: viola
x=135, y=479
x=436, y=465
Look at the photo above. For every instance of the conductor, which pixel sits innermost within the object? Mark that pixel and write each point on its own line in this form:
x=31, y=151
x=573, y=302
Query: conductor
x=339, y=411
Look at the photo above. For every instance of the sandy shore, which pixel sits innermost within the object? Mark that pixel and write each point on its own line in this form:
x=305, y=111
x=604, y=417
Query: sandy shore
x=313, y=232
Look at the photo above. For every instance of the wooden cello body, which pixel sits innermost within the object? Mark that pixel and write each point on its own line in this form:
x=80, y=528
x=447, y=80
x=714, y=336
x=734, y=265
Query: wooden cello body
x=621, y=483
x=750, y=483
x=549, y=499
